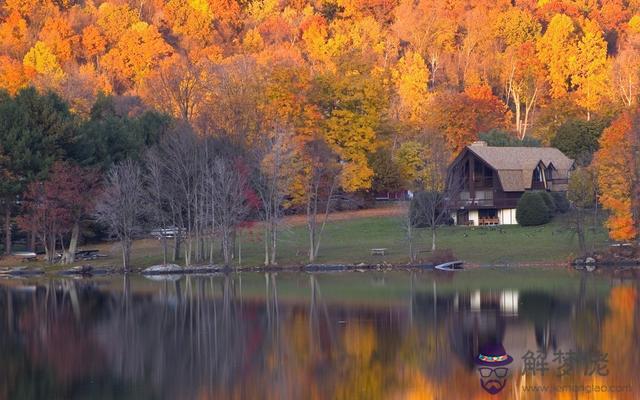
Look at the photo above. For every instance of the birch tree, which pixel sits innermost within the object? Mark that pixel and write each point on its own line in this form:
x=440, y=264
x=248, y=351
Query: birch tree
x=120, y=205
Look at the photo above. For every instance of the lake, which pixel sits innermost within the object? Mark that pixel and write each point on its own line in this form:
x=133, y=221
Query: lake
x=373, y=335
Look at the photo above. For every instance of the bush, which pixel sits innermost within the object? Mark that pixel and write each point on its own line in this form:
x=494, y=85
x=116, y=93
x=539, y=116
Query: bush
x=532, y=210
x=561, y=202
x=548, y=200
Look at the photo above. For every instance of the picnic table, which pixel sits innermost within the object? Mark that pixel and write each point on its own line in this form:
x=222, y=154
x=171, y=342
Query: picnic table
x=26, y=255
x=379, y=252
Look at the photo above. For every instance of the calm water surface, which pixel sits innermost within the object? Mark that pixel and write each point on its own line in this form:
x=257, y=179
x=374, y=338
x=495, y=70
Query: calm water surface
x=327, y=336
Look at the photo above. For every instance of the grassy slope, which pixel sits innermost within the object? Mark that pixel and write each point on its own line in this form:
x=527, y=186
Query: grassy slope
x=347, y=241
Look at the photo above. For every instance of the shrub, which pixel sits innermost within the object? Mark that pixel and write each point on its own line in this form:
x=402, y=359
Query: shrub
x=561, y=201
x=548, y=200
x=532, y=210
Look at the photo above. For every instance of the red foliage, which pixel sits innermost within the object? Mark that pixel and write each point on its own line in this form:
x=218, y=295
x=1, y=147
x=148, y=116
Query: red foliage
x=51, y=207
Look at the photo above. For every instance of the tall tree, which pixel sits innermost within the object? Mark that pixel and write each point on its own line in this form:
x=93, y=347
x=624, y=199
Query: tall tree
x=557, y=49
x=35, y=130
x=118, y=206
x=524, y=79
x=617, y=167
x=592, y=69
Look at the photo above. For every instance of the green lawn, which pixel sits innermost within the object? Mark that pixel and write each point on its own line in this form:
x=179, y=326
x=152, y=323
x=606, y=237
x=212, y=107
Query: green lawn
x=350, y=241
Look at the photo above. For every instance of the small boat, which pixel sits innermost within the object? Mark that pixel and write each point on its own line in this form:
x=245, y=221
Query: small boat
x=450, y=266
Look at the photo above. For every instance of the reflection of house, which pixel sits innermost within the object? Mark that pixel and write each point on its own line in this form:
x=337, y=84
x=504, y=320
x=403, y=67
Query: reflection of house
x=494, y=178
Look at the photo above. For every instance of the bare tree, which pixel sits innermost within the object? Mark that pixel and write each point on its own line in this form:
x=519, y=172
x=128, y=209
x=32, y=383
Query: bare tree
x=321, y=182
x=156, y=191
x=411, y=234
x=230, y=191
x=180, y=154
x=272, y=183
x=120, y=205
x=582, y=196
x=439, y=186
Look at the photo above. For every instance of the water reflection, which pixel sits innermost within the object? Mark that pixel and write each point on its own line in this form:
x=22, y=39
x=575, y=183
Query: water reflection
x=300, y=336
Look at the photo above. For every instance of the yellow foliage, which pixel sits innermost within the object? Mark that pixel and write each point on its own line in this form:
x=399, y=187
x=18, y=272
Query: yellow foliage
x=634, y=24
x=411, y=77
x=252, y=41
x=592, y=68
x=262, y=9
x=114, y=20
x=42, y=60
x=557, y=50
x=201, y=6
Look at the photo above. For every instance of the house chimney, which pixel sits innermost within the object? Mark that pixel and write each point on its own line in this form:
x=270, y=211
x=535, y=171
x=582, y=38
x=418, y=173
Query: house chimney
x=479, y=143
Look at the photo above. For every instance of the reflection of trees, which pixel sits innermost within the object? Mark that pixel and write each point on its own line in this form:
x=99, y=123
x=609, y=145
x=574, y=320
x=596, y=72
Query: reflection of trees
x=201, y=338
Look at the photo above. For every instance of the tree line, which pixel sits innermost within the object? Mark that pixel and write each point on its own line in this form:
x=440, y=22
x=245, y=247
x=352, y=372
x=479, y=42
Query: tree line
x=63, y=175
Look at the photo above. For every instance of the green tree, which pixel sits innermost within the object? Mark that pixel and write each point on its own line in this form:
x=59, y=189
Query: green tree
x=35, y=130
x=578, y=139
x=109, y=137
x=500, y=138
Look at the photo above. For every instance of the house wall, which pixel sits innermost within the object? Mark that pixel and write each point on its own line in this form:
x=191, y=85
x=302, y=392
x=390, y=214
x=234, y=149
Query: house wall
x=473, y=216
x=507, y=216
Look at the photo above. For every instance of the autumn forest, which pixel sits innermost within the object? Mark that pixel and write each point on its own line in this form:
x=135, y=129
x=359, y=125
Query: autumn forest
x=378, y=85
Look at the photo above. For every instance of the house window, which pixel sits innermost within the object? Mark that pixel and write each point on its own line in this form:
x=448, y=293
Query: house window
x=537, y=174
x=483, y=175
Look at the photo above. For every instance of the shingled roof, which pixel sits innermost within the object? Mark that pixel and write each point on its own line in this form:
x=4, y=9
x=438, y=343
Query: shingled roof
x=515, y=165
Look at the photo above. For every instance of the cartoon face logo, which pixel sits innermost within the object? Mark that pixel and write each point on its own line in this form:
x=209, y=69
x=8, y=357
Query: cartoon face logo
x=492, y=367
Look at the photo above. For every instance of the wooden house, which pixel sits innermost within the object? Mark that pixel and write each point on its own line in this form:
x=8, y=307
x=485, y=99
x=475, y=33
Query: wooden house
x=490, y=180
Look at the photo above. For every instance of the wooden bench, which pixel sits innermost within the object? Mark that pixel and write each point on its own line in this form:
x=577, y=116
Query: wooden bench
x=379, y=252
x=488, y=221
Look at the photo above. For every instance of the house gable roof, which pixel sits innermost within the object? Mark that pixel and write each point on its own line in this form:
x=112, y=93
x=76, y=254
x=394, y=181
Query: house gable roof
x=515, y=165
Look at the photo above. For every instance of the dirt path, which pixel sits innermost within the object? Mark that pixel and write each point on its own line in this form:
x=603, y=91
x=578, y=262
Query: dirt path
x=388, y=210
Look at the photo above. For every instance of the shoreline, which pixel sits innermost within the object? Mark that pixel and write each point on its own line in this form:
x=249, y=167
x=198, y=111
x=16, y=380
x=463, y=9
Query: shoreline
x=172, y=269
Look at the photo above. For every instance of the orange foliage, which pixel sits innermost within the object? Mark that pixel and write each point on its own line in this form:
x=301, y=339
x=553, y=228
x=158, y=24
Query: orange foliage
x=93, y=42
x=461, y=117
x=138, y=52
x=12, y=75
x=59, y=37
x=14, y=35
x=617, y=172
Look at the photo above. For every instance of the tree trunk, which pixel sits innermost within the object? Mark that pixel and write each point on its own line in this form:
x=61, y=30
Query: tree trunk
x=433, y=237
x=266, y=244
x=7, y=230
x=176, y=247
x=580, y=232
x=274, y=242
x=32, y=240
x=126, y=254
x=164, y=249
x=226, y=246
x=70, y=254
